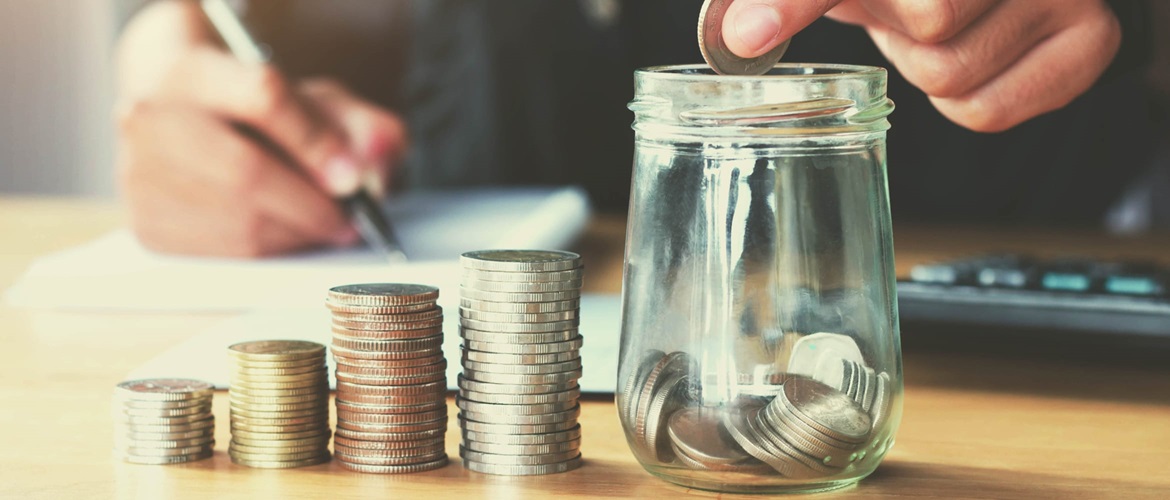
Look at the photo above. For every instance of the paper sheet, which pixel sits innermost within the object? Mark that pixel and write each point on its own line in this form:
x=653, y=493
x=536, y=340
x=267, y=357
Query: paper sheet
x=204, y=356
x=116, y=273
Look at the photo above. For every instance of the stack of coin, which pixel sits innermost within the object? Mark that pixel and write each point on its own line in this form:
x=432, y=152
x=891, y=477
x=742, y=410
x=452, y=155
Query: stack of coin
x=279, y=404
x=808, y=430
x=518, y=391
x=391, y=377
x=163, y=421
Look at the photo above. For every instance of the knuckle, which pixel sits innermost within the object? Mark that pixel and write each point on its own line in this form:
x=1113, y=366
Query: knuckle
x=930, y=21
x=270, y=92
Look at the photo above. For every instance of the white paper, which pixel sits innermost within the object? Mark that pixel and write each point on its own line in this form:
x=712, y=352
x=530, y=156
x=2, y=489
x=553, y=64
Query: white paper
x=116, y=273
x=204, y=356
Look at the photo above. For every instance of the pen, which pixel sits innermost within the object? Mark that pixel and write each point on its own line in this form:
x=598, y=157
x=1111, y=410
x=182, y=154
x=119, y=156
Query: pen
x=373, y=225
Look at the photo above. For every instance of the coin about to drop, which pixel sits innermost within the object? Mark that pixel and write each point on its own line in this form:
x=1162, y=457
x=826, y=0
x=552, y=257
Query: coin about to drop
x=715, y=50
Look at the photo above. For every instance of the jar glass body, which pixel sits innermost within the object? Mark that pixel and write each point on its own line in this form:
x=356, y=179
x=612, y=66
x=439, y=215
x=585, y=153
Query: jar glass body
x=759, y=255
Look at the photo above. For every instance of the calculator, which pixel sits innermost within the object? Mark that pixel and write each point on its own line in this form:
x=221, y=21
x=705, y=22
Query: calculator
x=1065, y=294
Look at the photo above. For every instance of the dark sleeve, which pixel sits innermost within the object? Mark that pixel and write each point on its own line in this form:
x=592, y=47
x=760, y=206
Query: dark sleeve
x=1136, y=37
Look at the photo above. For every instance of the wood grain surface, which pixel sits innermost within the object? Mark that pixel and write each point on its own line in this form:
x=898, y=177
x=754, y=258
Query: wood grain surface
x=989, y=416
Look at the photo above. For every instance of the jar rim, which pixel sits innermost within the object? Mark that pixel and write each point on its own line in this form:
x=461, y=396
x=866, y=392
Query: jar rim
x=781, y=72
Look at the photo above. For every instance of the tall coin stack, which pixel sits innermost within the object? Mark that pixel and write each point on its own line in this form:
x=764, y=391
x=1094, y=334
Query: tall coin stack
x=519, y=313
x=163, y=421
x=279, y=404
x=391, y=378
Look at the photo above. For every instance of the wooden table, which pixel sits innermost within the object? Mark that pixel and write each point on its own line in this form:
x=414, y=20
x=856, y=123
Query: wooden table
x=980, y=423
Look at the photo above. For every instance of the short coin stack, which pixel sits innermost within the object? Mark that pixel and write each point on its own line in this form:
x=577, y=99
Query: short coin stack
x=391, y=377
x=163, y=421
x=518, y=392
x=279, y=404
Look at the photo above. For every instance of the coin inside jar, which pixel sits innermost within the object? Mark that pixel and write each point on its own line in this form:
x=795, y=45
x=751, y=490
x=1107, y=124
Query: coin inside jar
x=699, y=433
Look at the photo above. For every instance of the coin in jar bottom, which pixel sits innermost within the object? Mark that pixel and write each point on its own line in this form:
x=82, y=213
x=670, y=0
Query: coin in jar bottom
x=523, y=470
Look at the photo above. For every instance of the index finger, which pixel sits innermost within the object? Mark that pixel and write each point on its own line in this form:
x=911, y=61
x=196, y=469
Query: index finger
x=259, y=96
x=753, y=27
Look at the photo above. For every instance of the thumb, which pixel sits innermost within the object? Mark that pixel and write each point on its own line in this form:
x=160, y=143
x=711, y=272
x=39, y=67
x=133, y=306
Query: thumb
x=753, y=27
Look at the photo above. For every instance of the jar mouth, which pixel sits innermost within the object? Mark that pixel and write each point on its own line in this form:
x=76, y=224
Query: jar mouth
x=782, y=71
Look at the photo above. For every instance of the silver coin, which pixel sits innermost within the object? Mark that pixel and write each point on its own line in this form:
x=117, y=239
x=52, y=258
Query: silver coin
x=810, y=444
x=516, y=439
x=518, y=318
x=124, y=443
x=669, y=398
x=544, y=419
x=273, y=372
x=476, y=386
x=628, y=397
x=171, y=422
x=699, y=433
x=564, y=366
x=515, y=429
x=390, y=436
x=522, y=379
x=869, y=383
x=737, y=421
x=164, y=436
x=522, y=449
x=377, y=380
x=165, y=452
x=826, y=410
x=508, y=347
x=518, y=297
x=207, y=422
x=523, y=470
x=514, y=409
x=520, y=260
x=880, y=409
x=812, y=352
x=380, y=294
x=813, y=466
x=520, y=399
x=675, y=363
x=147, y=460
x=166, y=412
x=781, y=414
x=508, y=327
x=164, y=405
x=520, y=359
x=715, y=50
x=390, y=460
x=163, y=389
x=437, y=424
x=523, y=277
x=490, y=458
x=520, y=307
x=432, y=349
x=520, y=287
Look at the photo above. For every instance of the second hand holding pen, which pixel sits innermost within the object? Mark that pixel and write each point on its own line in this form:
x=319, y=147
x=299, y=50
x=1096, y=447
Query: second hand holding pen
x=373, y=225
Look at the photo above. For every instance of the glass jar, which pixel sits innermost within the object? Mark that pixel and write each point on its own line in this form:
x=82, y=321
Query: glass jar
x=760, y=348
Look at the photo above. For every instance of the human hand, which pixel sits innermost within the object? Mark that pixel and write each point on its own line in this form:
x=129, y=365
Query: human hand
x=987, y=65
x=197, y=183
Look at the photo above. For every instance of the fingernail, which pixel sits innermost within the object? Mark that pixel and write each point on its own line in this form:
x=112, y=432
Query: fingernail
x=342, y=176
x=757, y=26
x=346, y=237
